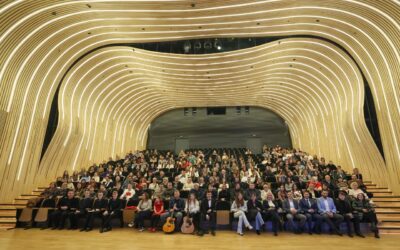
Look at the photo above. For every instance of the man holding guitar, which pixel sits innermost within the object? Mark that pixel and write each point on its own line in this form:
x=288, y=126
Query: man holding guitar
x=177, y=205
x=208, y=212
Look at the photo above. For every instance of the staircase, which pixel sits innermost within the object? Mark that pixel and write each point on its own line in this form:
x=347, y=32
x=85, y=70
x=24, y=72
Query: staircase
x=388, y=208
x=8, y=211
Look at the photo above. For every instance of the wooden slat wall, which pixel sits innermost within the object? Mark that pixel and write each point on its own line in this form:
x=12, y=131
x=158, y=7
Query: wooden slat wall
x=311, y=83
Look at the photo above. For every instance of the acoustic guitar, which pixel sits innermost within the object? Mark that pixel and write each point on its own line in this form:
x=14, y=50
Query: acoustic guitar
x=187, y=226
x=169, y=226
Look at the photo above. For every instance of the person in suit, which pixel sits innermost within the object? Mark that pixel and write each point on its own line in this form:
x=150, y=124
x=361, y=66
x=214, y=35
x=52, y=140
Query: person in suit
x=292, y=210
x=328, y=212
x=343, y=206
x=85, y=205
x=99, y=206
x=67, y=208
x=308, y=207
x=270, y=212
x=114, y=210
x=176, y=207
x=208, y=212
x=239, y=209
x=255, y=208
x=252, y=190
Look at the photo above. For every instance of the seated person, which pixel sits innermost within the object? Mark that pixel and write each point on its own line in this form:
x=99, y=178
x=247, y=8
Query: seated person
x=114, y=210
x=308, y=207
x=365, y=210
x=67, y=208
x=128, y=193
x=176, y=207
x=96, y=211
x=158, y=210
x=143, y=211
x=255, y=208
x=239, y=209
x=192, y=210
x=291, y=208
x=327, y=210
x=343, y=206
x=208, y=212
x=270, y=212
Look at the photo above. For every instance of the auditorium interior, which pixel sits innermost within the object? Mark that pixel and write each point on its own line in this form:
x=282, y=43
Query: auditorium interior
x=199, y=121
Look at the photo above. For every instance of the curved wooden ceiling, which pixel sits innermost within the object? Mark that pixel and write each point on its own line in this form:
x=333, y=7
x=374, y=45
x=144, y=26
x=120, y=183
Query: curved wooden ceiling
x=110, y=95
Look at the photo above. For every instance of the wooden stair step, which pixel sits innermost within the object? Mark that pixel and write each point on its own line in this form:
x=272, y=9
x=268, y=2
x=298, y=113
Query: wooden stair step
x=8, y=220
x=387, y=204
x=22, y=199
x=4, y=226
x=8, y=212
x=28, y=196
x=396, y=209
x=386, y=200
x=12, y=205
x=380, y=192
x=378, y=196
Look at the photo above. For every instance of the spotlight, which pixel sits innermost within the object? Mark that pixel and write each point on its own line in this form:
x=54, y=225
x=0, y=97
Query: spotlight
x=217, y=44
x=187, y=46
x=207, y=44
x=197, y=45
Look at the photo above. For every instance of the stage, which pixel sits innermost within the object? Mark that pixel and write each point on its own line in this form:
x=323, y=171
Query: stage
x=132, y=239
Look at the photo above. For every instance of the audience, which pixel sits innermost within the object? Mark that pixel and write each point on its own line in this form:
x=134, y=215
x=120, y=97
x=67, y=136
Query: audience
x=197, y=183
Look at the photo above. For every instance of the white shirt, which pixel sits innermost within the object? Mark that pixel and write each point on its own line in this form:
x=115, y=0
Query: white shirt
x=328, y=209
x=291, y=204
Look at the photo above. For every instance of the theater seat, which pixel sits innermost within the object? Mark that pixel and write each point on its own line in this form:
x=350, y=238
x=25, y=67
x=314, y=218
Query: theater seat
x=26, y=215
x=223, y=217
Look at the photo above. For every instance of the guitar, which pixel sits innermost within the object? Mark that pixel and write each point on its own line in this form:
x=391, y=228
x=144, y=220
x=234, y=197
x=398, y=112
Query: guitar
x=169, y=226
x=187, y=226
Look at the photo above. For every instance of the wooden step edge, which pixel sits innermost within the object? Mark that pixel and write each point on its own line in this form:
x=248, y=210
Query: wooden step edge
x=30, y=195
x=8, y=220
x=7, y=226
x=385, y=196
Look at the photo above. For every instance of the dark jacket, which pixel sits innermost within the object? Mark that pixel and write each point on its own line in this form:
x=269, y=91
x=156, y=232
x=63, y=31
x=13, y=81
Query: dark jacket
x=180, y=204
x=343, y=206
x=304, y=206
x=204, y=207
x=72, y=204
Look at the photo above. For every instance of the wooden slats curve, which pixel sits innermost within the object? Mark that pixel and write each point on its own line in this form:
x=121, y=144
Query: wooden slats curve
x=319, y=94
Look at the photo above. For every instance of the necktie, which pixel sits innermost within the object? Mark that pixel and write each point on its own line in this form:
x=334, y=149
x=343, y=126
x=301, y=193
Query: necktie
x=309, y=204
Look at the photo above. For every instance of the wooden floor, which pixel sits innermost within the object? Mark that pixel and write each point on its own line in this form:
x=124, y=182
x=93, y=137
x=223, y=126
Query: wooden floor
x=132, y=239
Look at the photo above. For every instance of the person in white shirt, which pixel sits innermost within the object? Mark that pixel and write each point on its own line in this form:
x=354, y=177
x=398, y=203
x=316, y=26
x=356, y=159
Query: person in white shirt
x=266, y=190
x=154, y=185
x=192, y=210
x=239, y=209
x=128, y=193
x=188, y=185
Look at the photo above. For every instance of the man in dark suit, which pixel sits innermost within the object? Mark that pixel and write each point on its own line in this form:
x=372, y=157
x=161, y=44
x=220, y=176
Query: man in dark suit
x=85, y=205
x=291, y=208
x=114, y=210
x=308, y=207
x=67, y=208
x=96, y=211
x=208, y=210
